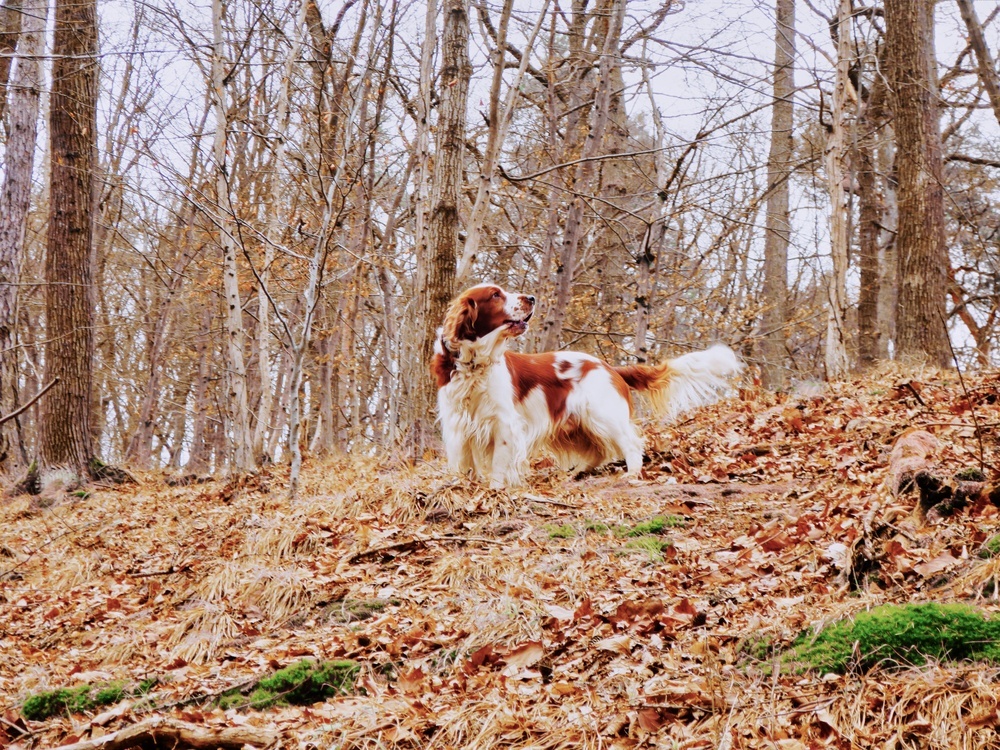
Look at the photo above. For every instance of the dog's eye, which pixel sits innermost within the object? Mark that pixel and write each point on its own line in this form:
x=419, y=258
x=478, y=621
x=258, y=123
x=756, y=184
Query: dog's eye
x=496, y=295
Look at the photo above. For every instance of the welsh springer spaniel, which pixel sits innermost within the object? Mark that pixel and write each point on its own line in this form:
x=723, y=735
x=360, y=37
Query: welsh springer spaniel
x=497, y=408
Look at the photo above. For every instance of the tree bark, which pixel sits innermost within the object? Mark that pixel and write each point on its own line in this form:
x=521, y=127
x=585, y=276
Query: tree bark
x=920, y=243
x=65, y=437
x=871, y=211
x=840, y=237
x=10, y=29
x=15, y=199
x=274, y=232
x=243, y=458
x=442, y=225
x=778, y=226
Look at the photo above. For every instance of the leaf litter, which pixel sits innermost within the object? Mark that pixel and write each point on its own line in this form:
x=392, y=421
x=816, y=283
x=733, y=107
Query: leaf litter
x=473, y=626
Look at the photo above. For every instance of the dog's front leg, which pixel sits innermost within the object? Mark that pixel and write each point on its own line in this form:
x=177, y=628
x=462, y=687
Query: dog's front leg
x=509, y=456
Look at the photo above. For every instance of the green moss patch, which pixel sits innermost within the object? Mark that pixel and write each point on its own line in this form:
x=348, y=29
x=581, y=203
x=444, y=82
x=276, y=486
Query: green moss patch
x=970, y=474
x=990, y=548
x=302, y=683
x=651, y=545
x=893, y=635
x=73, y=700
x=655, y=525
x=564, y=531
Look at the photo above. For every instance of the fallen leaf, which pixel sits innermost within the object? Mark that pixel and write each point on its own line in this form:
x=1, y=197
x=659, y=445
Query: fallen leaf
x=528, y=653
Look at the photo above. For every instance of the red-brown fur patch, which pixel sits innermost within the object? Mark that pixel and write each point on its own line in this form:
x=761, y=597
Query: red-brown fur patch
x=572, y=438
x=530, y=371
x=442, y=366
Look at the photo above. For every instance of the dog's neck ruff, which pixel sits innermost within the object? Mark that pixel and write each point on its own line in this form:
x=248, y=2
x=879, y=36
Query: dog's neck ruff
x=472, y=357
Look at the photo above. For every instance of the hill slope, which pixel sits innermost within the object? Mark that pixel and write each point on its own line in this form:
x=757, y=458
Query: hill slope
x=577, y=613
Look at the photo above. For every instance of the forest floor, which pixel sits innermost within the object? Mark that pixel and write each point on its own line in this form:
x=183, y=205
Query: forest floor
x=600, y=612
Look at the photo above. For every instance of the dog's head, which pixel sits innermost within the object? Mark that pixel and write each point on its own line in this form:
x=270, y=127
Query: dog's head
x=487, y=311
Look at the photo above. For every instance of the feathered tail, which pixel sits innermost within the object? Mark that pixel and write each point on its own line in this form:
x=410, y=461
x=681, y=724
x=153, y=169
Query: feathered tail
x=685, y=382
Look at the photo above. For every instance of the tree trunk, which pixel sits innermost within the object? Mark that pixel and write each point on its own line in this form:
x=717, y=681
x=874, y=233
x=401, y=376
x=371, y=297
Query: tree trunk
x=66, y=438
x=274, y=231
x=871, y=211
x=15, y=199
x=778, y=226
x=920, y=243
x=442, y=225
x=243, y=458
x=888, y=278
x=198, y=458
x=11, y=13
x=840, y=236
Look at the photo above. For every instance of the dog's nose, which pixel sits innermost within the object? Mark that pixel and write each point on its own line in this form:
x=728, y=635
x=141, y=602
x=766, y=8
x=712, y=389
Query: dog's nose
x=531, y=299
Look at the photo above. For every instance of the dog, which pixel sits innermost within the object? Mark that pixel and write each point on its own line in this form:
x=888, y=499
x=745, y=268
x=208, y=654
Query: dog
x=498, y=408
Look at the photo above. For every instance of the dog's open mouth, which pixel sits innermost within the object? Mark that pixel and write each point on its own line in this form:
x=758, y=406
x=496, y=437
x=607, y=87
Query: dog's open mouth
x=520, y=326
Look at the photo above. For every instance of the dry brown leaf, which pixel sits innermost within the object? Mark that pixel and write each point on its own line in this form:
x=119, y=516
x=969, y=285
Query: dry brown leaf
x=940, y=563
x=649, y=719
x=411, y=682
x=525, y=655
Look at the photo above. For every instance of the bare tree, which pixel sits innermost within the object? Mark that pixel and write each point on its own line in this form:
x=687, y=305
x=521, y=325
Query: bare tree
x=443, y=222
x=66, y=438
x=778, y=226
x=243, y=458
x=574, y=227
x=923, y=263
x=15, y=199
x=840, y=210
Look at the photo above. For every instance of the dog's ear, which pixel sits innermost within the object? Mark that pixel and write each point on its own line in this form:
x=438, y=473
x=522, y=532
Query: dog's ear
x=460, y=322
x=466, y=328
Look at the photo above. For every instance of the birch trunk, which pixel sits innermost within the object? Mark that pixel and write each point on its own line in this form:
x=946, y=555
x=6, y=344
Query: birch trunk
x=275, y=227
x=888, y=278
x=836, y=149
x=243, y=456
x=15, y=199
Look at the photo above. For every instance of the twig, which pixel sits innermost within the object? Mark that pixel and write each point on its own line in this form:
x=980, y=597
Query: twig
x=30, y=403
x=972, y=406
x=419, y=542
x=915, y=393
x=169, y=571
x=20, y=730
x=537, y=499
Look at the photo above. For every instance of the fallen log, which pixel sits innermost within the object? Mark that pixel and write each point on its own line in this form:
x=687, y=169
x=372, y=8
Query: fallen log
x=163, y=732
